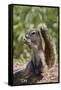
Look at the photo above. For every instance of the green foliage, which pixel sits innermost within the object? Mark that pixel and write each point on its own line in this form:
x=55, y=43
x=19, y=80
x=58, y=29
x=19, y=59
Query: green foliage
x=23, y=18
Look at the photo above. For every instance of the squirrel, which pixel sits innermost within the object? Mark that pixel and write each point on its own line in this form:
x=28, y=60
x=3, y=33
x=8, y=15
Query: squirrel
x=39, y=41
x=43, y=55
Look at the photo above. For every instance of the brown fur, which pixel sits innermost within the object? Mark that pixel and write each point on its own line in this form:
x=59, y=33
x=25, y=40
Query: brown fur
x=50, y=48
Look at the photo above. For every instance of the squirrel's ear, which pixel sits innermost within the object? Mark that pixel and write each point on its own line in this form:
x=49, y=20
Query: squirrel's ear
x=38, y=32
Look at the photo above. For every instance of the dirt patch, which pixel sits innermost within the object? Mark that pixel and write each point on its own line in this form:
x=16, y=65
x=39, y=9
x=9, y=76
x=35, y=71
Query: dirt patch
x=50, y=76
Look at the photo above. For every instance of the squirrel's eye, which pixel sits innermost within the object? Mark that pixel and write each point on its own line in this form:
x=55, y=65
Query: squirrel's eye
x=33, y=33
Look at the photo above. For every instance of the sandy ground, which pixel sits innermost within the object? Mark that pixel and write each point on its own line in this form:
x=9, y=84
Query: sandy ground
x=50, y=76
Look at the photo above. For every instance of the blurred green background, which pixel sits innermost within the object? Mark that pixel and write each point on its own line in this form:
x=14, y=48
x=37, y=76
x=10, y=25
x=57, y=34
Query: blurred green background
x=25, y=17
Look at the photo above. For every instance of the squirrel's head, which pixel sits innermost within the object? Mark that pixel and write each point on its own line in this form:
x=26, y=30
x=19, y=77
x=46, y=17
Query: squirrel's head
x=32, y=38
